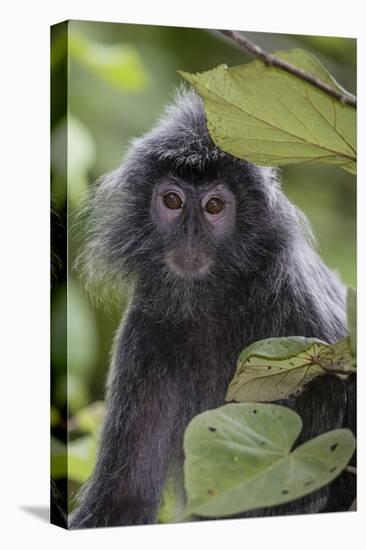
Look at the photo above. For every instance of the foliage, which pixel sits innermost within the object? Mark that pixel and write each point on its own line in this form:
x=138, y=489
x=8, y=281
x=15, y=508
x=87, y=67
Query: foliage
x=72, y=140
x=89, y=418
x=58, y=459
x=81, y=455
x=271, y=117
x=76, y=460
x=277, y=368
x=118, y=64
x=238, y=458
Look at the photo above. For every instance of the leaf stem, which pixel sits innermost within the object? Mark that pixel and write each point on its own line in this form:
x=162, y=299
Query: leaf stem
x=351, y=470
x=274, y=61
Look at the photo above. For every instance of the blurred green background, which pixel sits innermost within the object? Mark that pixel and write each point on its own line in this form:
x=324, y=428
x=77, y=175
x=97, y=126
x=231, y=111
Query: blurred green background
x=120, y=77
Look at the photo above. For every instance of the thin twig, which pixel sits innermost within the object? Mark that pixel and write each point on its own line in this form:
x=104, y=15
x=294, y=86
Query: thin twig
x=273, y=61
x=351, y=470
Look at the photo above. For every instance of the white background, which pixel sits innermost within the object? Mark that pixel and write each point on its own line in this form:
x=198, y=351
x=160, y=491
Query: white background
x=24, y=286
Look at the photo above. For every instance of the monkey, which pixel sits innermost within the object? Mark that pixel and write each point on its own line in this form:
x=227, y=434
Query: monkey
x=215, y=257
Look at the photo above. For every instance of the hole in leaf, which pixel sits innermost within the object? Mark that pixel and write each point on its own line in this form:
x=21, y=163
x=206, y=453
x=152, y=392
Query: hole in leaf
x=210, y=492
x=333, y=447
x=333, y=469
x=254, y=411
x=307, y=483
x=212, y=429
x=269, y=368
x=285, y=492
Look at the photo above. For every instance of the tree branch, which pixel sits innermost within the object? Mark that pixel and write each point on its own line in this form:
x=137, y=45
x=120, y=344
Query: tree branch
x=273, y=61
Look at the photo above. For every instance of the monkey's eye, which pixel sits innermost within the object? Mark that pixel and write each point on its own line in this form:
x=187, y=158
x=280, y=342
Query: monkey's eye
x=173, y=201
x=214, y=206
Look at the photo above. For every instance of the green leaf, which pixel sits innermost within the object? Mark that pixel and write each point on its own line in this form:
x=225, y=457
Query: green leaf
x=119, y=65
x=277, y=368
x=239, y=458
x=73, y=390
x=81, y=153
x=90, y=418
x=83, y=342
x=81, y=458
x=55, y=417
x=58, y=458
x=352, y=318
x=73, y=156
x=270, y=117
x=172, y=504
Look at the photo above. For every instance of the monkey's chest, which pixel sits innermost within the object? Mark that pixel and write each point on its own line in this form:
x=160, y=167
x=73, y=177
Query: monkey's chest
x=205, y=364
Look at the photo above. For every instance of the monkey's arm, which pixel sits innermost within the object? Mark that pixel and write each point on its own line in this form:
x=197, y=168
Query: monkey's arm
x=126, y=484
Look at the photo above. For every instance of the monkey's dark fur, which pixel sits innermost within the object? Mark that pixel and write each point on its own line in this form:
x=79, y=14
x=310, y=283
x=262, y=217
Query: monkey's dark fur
x=176, y=350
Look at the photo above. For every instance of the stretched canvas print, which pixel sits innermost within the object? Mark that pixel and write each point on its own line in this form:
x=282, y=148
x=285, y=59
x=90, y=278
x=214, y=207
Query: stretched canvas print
x=203, y=198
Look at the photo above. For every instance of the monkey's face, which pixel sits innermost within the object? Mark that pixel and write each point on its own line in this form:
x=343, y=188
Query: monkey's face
x=194, y=222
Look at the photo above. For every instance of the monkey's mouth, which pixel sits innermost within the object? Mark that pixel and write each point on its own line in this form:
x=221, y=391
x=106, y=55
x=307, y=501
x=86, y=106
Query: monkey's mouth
x=188, y=263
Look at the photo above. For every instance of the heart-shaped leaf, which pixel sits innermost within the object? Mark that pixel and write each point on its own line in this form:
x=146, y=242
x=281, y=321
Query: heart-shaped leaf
x=239, y=458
